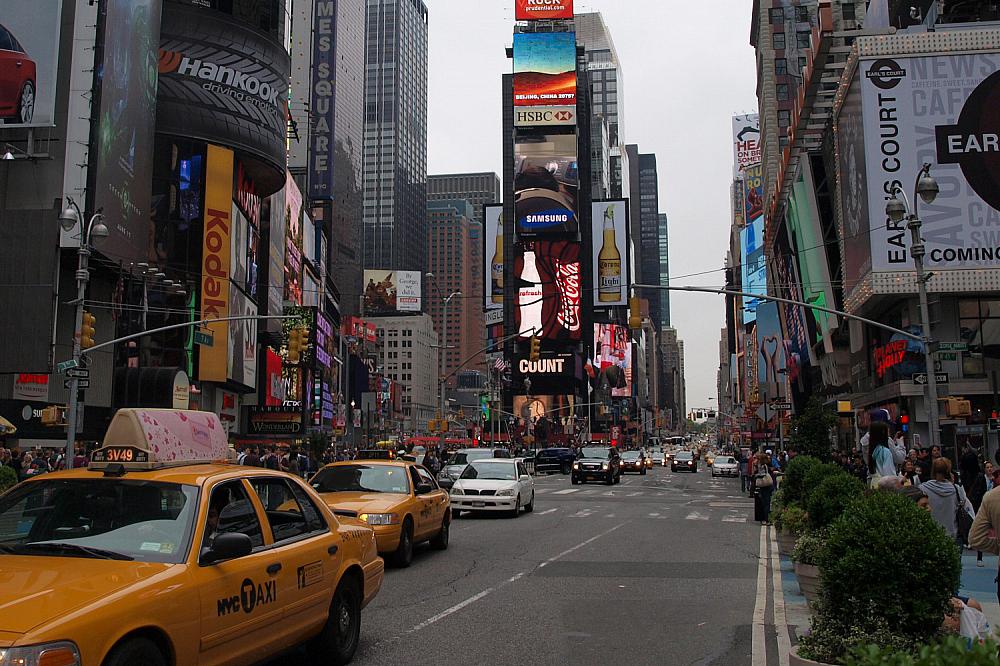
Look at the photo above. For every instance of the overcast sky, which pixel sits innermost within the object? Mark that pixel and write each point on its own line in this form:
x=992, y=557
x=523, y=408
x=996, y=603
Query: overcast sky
x=688, y=68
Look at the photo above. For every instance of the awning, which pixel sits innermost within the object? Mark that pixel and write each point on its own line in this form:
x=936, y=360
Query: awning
x=6, y=427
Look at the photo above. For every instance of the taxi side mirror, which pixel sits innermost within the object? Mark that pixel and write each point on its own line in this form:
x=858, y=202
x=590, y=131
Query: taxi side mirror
x=227, y=546
x=525, y=477
x=424, y=488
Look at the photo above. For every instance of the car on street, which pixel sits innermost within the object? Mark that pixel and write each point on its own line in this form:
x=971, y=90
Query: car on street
x=633, y=461
x=668, y=456
x=399, y=500
x=684, y=461
x=455, y=464
x=494, y=484
x=18, y=81
x=597, y=463
x=725, y=466
x=555, y=459
x=162, y=551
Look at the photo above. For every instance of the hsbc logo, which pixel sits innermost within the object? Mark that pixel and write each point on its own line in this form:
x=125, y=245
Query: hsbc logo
x=542, y=116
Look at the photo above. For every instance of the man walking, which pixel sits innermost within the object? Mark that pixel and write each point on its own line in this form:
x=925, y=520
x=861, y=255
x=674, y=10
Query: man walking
x=744, y=473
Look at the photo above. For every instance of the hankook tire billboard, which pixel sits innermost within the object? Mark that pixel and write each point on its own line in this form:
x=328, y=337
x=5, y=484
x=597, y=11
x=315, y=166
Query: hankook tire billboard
x=227, y=84
x=942, y=110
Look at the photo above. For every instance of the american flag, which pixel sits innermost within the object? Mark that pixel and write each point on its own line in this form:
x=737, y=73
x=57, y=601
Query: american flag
x=501, y=364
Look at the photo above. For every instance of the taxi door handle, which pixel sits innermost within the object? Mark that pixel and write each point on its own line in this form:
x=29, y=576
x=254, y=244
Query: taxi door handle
x=274, y=568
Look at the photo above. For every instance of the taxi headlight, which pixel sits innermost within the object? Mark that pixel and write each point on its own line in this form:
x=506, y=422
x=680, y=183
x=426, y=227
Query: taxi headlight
x=380, y=518
x=505, y=492
x=457, y=491
x=62, y=653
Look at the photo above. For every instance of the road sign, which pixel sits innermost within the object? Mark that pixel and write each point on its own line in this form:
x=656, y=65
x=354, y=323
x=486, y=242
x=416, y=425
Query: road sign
x=66, y=365
x=80, y=383
x=921, y=379
x=204, y=338
x=79, y=373
x=781, y=406
x=953, y=346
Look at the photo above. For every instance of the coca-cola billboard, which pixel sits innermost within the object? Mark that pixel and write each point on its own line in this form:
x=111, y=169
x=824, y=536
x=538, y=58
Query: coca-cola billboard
x=549, y=290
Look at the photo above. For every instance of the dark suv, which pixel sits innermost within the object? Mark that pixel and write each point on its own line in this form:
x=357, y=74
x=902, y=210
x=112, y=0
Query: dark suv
x=553, y=460
x=598, y=463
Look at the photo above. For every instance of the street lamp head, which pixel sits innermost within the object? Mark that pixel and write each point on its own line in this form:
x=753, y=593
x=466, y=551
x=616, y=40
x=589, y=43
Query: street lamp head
x=68, y=218
x=429, y=276
x=895, y=209
x=927, y=187
x=99, y=231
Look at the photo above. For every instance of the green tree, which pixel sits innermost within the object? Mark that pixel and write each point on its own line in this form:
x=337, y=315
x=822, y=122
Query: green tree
x=811, y=430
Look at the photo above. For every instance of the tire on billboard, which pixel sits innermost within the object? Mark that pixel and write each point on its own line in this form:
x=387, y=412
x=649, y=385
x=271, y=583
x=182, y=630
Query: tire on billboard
x=227, y=84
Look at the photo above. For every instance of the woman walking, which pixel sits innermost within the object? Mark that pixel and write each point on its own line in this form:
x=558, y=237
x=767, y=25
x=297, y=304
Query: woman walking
x=945, y=497
x=763, y=483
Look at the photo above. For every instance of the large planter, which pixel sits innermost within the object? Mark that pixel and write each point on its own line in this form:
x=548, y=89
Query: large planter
x=795, y=660
x=786, y=542
x=808, y=576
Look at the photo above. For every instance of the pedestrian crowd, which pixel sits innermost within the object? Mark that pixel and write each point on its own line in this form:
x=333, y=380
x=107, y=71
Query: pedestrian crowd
x=32, y=462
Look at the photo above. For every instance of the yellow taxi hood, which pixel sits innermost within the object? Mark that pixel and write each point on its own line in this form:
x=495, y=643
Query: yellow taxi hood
x=35, y=590
x=361, y=502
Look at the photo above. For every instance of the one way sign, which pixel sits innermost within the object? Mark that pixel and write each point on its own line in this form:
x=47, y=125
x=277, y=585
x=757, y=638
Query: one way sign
x=921, y=379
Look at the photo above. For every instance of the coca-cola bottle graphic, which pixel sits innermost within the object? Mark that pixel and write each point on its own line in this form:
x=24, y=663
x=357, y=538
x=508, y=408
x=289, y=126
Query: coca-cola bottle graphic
x=529, y=296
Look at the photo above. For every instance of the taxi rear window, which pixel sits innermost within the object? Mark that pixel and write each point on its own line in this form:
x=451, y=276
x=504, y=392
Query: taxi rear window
x=116, y=519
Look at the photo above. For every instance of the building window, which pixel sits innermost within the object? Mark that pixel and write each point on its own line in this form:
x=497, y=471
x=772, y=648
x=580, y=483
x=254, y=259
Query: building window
x=781, y=90
x=802, y=14
x=802, y=39
x=777, y=15
x=778, y=41
x=780, y=66
x=783, y=142
x=802, y=65
x=784, y=118
x=848, y=11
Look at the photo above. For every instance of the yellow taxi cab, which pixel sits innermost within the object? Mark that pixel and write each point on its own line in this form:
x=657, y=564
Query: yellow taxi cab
x=400, y=500
x=160, y=553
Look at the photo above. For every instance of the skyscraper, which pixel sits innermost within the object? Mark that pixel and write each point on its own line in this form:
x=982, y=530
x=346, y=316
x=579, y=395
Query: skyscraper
x=476, y=188
x=663, y=243
x=395, y=164
x=649, y=259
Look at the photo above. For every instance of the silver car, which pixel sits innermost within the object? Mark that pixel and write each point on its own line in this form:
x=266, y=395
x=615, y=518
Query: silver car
x=456, y=464
x=725, y=466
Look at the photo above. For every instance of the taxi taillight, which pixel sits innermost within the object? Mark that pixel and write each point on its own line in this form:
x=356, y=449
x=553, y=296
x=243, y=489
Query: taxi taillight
x=58, y=657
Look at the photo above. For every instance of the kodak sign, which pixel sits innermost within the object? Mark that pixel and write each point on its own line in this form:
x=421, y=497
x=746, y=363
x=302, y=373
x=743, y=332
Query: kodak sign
x=536, y=10
x=215, y=262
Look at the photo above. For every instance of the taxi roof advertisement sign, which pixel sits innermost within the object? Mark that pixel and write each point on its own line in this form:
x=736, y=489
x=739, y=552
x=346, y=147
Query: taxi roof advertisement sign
x=535, y=10
x=545, y=69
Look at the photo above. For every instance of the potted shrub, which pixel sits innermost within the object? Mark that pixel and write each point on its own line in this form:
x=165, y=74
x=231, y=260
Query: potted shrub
x=793, y=481
x=828, y=500
x=806, y=557
x=952, y=651
x=8, y=478
x=887, y=575
x=794, y=521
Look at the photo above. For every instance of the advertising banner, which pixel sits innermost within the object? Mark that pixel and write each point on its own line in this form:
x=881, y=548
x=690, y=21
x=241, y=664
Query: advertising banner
x=322, y=109
x=549, y=290
x=28, y=89
x=213, y=363
x=552, y=374
x=221, y=80
x=31, y=387
x=125, y=126
x=276, y=258
x=856, y=225
x=943, y=110
x=545, y=69
x=275, y=421
x=771, y=351
x=493, y=269
x=242, y=339
x=752, y=189
x=746, y=142
x=275, y=388
x=388, y=292
x=534, y=10
x=609, y=240
x=293, y=243
x=546, y=184
x=613, y=359
x=754, y=267
x=555, y=408
x=544, y=116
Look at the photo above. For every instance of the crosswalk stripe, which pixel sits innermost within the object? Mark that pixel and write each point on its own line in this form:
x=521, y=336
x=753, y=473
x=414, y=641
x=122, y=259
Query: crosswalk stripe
x=567, y=491
x=694, y=515
x=734, y=519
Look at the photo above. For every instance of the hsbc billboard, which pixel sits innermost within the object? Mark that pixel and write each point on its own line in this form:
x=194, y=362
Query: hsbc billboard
x=537, y=10
x=544, y=116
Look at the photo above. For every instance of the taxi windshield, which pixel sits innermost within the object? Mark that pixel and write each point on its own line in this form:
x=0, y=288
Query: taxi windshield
x=361, y=478
x=114, y=519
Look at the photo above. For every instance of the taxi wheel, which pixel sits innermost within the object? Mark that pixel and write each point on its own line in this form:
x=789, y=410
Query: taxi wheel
x=338, y=641
x=136, y=651
x=440, y=541
x=404, y=553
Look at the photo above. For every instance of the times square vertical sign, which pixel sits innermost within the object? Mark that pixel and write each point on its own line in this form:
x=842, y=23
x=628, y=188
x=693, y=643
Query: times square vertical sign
x=322, y=108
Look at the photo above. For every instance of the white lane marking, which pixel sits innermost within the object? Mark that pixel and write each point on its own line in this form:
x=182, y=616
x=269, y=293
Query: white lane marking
x=610, y=515
x=695, y=515
x=653, y=515
x=734, y=519
x=581, y=545
x=590, y=492
x=780, y=621
x=730, y=505
x=582, y=513
x=539, y=490
x=568, y=491
x=542, y=513
x=634, y=494
x=450, y=611
x=758, y=649
x=515, y=577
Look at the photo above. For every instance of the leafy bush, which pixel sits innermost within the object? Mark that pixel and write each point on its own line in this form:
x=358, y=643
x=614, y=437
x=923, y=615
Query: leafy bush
x=832, y=637
x=809, y=546
x=794, y=520
x=793, y=483
x=952, y=651
x=811, y=430
x=8, y=478
x=887, y=554
x=815, y=476
x=829, y=499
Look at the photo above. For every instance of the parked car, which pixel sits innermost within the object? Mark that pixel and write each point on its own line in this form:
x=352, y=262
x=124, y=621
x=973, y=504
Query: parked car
x=549, y=461
x=18, y=82
x=598, y=463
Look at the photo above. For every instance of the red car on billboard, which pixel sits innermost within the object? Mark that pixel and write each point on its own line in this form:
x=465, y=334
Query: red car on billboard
x=17, y=80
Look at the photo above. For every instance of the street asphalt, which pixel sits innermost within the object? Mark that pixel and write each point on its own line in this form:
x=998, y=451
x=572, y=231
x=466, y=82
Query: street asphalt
x=662, y=569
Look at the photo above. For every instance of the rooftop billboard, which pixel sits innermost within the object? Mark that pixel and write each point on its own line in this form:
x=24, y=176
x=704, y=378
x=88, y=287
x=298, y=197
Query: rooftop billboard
x=389, y=292
x=545, y=69
x=535, y=10
x=546, y=185
x=29, y=50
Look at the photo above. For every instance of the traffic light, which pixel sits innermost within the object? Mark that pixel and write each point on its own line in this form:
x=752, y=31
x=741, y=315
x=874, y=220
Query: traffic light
x=87, y=331
x=904, y=423
x=298, y=338
x=536, y=348
x=634, y=314
x=484, y=405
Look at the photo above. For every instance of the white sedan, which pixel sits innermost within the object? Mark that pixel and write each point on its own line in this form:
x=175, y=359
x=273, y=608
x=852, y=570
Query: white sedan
x=725, y=466
x=494, y=484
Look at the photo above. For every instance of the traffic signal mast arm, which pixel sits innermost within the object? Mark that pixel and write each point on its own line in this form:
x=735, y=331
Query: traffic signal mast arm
x=173, y=327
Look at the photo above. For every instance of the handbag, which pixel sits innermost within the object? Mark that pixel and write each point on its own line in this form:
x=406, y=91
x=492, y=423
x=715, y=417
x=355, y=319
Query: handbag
x=963, y=521
x=764, y=480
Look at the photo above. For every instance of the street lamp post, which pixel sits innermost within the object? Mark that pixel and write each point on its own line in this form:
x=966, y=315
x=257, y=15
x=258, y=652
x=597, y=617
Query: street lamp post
x=93, y=231
x=443, y=350
x=925, y=188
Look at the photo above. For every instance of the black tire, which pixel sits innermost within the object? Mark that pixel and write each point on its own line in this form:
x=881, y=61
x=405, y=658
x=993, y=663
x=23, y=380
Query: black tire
x=575, y=481
x=404, y=552
x=610, y=480
x=338, y=641
x=136, y=651
x=455, y=513
x=516, y=511
x=566, y=468
x=530, y=506
x=441, y=539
